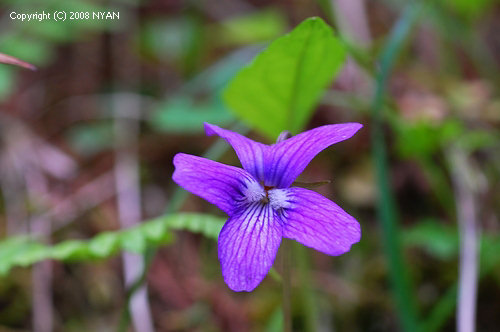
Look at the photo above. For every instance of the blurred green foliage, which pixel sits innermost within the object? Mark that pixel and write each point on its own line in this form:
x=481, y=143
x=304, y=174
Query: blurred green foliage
x=199, y=100
x=6, y=80
x=171, y=39
x=437, y=239
x=259, y=26
x=423, y=138
x=470, y=10
x=182, y=115
x=91, y=138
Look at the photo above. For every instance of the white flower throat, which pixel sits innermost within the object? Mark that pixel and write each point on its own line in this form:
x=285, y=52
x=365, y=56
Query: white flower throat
x=276, y=198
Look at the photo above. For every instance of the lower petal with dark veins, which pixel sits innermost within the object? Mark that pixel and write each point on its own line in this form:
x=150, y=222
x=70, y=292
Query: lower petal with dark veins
x=248, y=244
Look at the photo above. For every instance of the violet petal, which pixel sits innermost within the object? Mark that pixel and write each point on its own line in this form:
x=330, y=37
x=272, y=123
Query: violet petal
x=217, y=183
x=286, y=160
x=319, y=223
x=248, y=244
x=250, y=153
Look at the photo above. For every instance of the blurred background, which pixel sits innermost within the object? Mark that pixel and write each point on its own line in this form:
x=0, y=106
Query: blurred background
x=87, y=141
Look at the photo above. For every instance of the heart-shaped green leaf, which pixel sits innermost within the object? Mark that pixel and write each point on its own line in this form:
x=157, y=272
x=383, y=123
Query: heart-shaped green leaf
x=279, y=89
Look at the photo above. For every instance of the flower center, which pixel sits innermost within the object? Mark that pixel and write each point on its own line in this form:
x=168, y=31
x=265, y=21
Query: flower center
x=266, y=190
x=277, y=198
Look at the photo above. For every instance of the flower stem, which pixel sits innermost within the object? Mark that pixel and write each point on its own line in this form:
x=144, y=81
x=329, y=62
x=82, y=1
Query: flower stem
x=463, y=180
x=283, y=136
x=287, y=291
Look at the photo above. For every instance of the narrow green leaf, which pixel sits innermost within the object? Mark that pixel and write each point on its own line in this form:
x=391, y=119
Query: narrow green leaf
x=279, y=89
x=208, y=226
x=134, y=241
x=402, y=287
x=25, y=251
x=104, y=244
x=155, y=231
x=71, y=250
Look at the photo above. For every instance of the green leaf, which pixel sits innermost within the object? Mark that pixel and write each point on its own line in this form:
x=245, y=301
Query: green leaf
x=24, y=251
x=71, y=250
x=104, y=244
x=208, y=226
x=155, y=231
x=279, y=89
x=15, y=249
x=134, y=241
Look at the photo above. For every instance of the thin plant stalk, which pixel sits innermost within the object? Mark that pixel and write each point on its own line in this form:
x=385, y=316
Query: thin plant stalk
x=126, y=109
x=307, y=294
x=286, y=285
x=469, y=237
x=43, y=309
x=43, y=306
x=129, y=211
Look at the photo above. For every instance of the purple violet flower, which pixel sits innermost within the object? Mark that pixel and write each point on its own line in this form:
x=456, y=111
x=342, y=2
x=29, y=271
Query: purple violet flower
x=261, y=204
